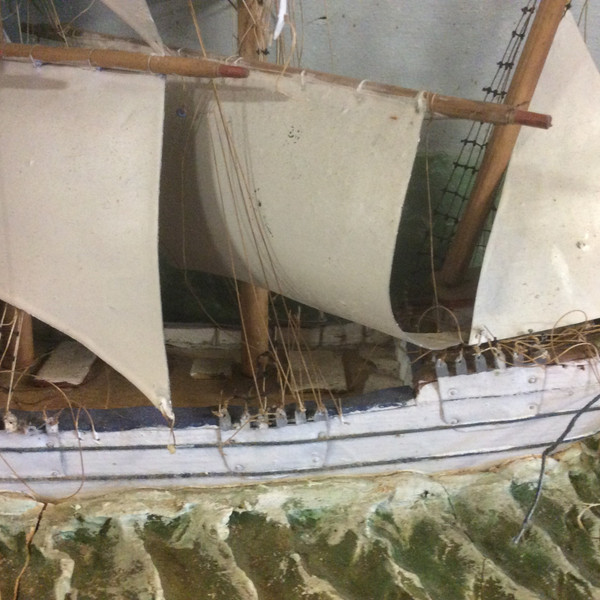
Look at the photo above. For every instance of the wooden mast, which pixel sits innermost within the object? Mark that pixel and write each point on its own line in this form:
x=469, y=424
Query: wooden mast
x=23, y=343
x=502, y=141
x=254, y=301
x=20, y=351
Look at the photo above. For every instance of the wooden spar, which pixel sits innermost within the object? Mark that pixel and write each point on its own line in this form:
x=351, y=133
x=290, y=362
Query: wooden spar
x=21, y=343
x=119, y=59
x=254, y=301
x=502, y=142
x=191, y=66
x=437, y=104
x=499, y=114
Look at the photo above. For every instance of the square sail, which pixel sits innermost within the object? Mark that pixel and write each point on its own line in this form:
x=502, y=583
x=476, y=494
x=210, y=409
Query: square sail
x=292, y=183
x=79, y=170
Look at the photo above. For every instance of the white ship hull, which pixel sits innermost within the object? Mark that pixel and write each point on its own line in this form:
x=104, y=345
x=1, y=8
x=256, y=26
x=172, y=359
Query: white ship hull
x=459, y=422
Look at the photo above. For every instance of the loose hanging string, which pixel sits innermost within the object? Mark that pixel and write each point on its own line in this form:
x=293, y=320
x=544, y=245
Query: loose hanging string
x=547, y=451
x=359, y=87
x=18, y=321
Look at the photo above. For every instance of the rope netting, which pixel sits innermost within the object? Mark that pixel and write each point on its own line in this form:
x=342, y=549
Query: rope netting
x=450, y=203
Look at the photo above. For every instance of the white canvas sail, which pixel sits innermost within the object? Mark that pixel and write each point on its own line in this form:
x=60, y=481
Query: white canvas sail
x=541, y=263
x=79, y=180
x=294, y=184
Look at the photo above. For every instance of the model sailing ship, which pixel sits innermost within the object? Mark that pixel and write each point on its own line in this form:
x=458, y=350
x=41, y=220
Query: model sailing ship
x=251, y=188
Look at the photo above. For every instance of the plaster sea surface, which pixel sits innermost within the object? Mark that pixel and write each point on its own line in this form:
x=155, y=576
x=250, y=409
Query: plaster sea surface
x=400, y=536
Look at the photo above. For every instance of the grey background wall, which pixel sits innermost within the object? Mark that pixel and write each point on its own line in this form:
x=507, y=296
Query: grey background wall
x=446, y=46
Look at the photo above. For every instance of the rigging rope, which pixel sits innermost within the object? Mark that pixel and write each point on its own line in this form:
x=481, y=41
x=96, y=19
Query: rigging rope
x=454, y=195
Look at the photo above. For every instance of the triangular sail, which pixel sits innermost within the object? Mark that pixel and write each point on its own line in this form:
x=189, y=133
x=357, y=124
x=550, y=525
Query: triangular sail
x=293, y=184
x=137, y=15
x=541, y=263
x=79, y=171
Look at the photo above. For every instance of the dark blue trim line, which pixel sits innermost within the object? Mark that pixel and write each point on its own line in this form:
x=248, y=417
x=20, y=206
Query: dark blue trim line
x=137, y=417
x=320, y=440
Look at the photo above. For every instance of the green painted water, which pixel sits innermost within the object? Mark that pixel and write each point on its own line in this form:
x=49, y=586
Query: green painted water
x=402, y=536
